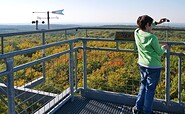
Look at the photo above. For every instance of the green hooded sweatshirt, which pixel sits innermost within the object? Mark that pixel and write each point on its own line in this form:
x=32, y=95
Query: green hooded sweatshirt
x=149, y=50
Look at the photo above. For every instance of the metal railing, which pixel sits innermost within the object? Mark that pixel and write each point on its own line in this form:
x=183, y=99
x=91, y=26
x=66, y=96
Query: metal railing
x=36, y=86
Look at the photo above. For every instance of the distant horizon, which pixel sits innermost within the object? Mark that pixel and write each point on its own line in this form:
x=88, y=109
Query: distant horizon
x=12, y=28
x=71, y=23
x=84, y=23
x=92, y=24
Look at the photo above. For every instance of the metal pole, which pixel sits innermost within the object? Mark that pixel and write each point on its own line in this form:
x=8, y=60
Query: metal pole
x=48, y=20
x=166, y=35
x=179, y=78
x=135, y=47
x=37, y=28
x=84, y=64
x=86, y=34
x=167, y=76
x=10, y=86
x=71, y=74
x=65, y=34
x=76, y=65
x=117, y=45
x=2, y=45
x=43, y=55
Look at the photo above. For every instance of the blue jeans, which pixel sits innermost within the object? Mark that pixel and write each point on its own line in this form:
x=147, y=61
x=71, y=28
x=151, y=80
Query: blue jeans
x=149, y=80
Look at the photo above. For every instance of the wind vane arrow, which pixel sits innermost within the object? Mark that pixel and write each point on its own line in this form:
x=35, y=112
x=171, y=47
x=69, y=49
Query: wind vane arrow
x=58, y=12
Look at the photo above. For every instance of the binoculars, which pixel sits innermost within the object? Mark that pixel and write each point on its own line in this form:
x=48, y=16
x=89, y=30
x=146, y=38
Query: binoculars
x=165, y=20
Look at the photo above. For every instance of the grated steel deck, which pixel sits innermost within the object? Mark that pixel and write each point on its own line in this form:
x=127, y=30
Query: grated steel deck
x=82, y=105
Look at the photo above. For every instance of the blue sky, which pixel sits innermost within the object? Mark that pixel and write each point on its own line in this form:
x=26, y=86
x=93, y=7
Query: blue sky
x=91, y=11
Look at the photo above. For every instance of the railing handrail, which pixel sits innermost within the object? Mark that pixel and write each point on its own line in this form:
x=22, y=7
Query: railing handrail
x=24, y=51
x=34, y=32
x=76, y=28
x=28, y=50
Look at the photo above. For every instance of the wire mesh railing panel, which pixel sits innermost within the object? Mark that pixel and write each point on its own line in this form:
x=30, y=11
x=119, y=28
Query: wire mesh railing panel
x=3, y=95
x=111, y=70
x=2, y=65
x=33, y=90
x=39, y=79
x=182, y=90
x=177, y=87
x=170, y=35
x=57, y=74
x=116, y=72
x=12, y=43
x=107, y=69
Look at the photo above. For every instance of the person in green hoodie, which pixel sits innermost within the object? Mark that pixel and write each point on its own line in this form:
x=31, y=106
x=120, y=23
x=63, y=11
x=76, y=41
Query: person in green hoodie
x=149, y=53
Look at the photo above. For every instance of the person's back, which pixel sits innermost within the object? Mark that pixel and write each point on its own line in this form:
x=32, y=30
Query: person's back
x=149, y=52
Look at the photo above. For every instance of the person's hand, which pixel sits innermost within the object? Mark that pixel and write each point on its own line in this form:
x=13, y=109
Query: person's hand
x=165, y=46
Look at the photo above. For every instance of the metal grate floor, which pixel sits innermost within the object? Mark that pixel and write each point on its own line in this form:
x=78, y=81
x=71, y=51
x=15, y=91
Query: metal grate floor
x=82, y=105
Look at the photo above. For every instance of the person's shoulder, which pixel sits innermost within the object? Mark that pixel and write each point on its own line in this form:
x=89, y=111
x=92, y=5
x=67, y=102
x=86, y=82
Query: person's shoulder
x=151, y=35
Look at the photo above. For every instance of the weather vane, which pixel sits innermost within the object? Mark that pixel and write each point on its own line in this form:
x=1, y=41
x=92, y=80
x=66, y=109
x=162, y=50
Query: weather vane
x=48, y=17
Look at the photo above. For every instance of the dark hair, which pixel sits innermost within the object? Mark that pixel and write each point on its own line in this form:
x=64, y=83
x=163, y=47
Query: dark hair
x=143, y=20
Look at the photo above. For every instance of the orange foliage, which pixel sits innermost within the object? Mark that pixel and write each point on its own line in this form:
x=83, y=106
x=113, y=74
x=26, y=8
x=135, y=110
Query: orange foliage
x=116, y=62
x=63, y=59
x=80, y=56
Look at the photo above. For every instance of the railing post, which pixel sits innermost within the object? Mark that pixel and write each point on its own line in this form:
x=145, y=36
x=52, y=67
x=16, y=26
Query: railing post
x=84, y=64
x=10, y=86
x=135, y=47
x=166, y=32
x=2, y=45
x=71, y=73
x=65, y=34
x=76, y=65
x=117, y=45
x=86, y=34
x=43, y=55
x=167, y=76
x=179, y=78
